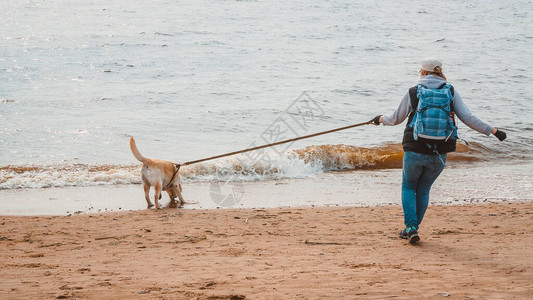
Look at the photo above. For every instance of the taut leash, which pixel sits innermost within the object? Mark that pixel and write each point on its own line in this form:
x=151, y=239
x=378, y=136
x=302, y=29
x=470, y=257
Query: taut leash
x=270, y=145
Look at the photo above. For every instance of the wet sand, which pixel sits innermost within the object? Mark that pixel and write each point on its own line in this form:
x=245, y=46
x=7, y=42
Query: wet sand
x=480, y=251
x=493, y=183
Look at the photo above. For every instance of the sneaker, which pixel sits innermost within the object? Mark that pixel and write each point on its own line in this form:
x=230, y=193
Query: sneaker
x=403, y=234
x=413, y=236
x=410, y=234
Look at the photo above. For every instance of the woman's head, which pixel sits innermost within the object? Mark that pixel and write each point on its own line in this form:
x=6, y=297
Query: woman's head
x=431, y=66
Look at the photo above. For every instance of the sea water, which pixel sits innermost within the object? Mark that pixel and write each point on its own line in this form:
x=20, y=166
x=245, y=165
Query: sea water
x=192, y=79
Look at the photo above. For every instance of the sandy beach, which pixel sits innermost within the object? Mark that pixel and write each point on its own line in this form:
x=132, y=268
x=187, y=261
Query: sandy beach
x=480, y=251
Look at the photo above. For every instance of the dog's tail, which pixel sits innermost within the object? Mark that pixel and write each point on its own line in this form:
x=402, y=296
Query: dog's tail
x=136, y=152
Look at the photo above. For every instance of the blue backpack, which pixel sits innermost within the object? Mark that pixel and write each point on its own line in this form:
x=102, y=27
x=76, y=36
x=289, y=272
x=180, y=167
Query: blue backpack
x=433, y=121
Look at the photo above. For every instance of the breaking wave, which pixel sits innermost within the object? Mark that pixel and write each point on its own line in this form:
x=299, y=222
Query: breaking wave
x=298, y=163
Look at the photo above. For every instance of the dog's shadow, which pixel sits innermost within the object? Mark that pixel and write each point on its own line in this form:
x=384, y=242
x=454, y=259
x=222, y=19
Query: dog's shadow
x=175, y=204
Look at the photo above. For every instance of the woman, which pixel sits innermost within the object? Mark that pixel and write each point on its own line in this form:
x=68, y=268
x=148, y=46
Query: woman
x=423, y=163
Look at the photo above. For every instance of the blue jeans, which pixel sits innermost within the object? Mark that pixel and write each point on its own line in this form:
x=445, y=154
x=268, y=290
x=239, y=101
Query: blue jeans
x=419, y=173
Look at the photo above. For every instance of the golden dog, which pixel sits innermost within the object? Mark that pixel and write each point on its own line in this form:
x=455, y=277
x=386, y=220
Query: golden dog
x=161, y=174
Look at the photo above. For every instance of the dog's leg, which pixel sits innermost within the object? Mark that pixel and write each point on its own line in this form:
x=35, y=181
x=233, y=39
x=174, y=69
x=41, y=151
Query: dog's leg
x=178, y=191
x=157, y=195
x=146, y=188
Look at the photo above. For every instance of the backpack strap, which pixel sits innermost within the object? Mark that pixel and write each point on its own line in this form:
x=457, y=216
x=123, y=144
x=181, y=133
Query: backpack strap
x=413, y=95
x=414, y=104
x=451, y=89
x=452, y=110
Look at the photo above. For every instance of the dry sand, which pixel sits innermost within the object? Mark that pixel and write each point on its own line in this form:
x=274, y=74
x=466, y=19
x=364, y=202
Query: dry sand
x=482, y=251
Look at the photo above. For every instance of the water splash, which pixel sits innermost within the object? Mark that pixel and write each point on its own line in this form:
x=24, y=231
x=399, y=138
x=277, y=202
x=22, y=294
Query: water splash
x=299, y=163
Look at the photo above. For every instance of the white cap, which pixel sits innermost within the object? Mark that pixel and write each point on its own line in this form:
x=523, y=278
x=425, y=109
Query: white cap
x=429, y=64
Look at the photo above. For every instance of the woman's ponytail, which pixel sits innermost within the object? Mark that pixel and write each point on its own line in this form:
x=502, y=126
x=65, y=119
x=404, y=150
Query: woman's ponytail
x=437, y=71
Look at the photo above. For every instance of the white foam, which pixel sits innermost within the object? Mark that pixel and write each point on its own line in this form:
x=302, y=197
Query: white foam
x=237, y=168
x=261, y=166
x=241, y=168
x=56, y=176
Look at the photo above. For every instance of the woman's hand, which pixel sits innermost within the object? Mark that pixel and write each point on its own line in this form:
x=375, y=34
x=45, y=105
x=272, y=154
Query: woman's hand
x=501, y=135
x=377, y=120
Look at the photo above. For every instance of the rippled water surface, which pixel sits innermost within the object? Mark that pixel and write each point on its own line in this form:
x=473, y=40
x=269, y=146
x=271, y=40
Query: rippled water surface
x=191, y=79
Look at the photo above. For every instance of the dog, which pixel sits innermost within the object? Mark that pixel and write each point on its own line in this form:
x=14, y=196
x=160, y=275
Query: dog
x=161, y=174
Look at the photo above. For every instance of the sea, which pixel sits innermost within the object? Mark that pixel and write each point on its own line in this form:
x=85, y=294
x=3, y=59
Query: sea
x=194, y=79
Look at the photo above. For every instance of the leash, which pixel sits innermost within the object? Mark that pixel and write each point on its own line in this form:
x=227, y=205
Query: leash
x=173, y=175
x=268, y=145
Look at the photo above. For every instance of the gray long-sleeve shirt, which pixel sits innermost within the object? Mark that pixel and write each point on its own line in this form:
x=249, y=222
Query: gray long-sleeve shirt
x=461, y=110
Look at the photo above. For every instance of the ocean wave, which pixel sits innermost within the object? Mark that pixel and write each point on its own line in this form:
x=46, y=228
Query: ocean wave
x=261, y=166
x=24, y=176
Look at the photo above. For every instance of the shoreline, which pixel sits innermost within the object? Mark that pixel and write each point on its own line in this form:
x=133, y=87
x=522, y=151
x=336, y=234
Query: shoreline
x=456, y=185
x=476, y=251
